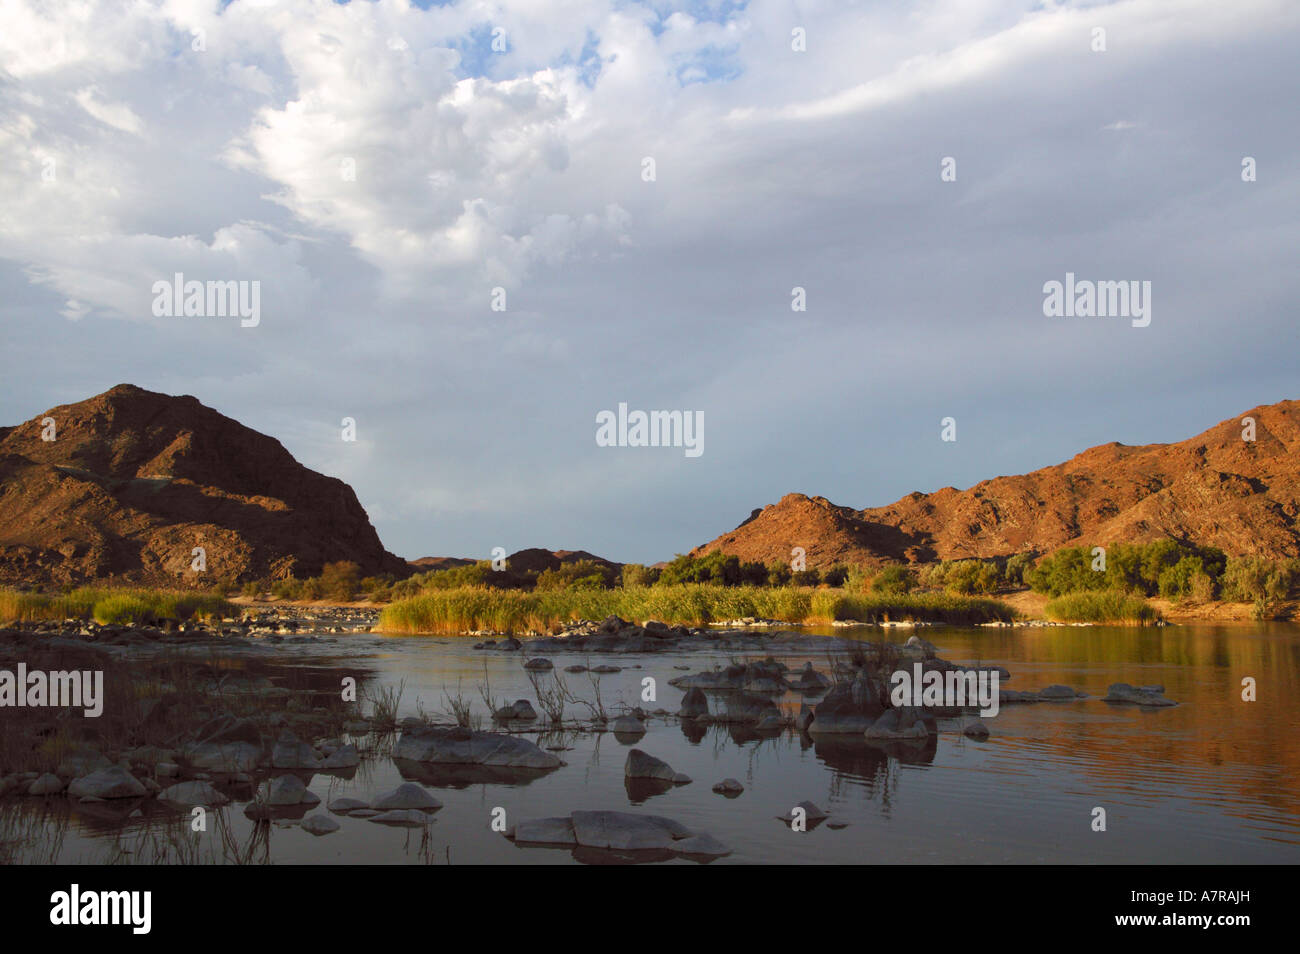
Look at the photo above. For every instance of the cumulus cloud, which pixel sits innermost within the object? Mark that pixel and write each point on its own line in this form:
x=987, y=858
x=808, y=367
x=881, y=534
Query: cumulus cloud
x=381, y=168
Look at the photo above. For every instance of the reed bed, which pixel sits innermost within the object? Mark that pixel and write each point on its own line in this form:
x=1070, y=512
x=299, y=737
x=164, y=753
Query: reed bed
x=1101, y=606
x=117, y=605
x=470, y=608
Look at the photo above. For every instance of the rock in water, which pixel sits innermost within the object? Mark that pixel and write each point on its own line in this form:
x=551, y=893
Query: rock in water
x=1141, y=696
x=695, y=704
x=545, y=831
x=47, y=784
x=112, y=782
x=289, y=790
x=320, y=824
x=624, y=831
x=641, y=765
x=189, y=794
x=460, y=746
x=406, y=795
x=292, y=753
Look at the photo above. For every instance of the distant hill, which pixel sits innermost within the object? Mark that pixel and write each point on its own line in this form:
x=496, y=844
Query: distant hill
x=1214, y=489
x=135, y=480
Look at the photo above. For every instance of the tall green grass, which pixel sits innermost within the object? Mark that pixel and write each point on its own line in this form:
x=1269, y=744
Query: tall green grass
x=1101, y=606
x=474, y=607
x=120, y=605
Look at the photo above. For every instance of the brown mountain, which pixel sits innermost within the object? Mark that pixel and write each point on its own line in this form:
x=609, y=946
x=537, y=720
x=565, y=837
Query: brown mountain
x=1215, y=489
x=135, y=480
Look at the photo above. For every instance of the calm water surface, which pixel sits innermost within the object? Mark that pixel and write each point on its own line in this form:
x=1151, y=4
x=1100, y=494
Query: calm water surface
x=1210, y=781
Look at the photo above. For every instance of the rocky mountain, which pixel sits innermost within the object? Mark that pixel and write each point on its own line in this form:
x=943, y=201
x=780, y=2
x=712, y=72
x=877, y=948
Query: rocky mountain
x=133, y=481
x=1215, y=489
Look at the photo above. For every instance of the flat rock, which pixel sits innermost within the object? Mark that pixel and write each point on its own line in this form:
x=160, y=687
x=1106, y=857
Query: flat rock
x=320, y=824
x=459, y=746
x=624, y=831
x=346, y=806
x=406, y=795
x=545, y=831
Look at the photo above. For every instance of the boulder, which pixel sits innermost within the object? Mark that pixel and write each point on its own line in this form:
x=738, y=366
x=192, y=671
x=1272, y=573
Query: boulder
x=111, y=782
x=629, y=726
x=849, y=708
x=974, y=728
x=47, y=784
x=289, y=790
x=695, y=704
x=747, y=708
x=345, y=756
x=539, y=664
x=222, y=756
x=641, y=765
x=905, y=722
x=290, y=752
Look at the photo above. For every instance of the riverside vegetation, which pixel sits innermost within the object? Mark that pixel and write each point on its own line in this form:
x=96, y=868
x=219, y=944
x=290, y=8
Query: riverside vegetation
x=717, y=587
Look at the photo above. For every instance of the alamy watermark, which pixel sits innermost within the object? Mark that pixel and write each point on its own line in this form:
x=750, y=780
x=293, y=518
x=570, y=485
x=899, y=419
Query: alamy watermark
x=651, y=429
x=1088, y=299
x=214, y=299
x=952, y=689
x=37, y=689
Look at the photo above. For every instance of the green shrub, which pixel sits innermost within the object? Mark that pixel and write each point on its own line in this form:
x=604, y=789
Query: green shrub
x=894, y=580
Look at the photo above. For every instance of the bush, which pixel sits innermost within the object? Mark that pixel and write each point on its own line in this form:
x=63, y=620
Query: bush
x=636, y=574
x=340, y=581
x=894, y=580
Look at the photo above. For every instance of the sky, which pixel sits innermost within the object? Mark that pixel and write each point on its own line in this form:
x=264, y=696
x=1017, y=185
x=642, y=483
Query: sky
x=475, y=226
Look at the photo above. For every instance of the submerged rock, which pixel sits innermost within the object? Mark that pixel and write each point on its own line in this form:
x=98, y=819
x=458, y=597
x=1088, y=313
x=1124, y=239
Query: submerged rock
x=729, y=787
x=1138, y=695
x=408, y=817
